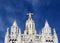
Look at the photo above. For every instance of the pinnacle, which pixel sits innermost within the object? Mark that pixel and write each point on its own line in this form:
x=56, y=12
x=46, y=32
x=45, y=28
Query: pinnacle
x=46, y=23
x=54, y=30
x=14, y=23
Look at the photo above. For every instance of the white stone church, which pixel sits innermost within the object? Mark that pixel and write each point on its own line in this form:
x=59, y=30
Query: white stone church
x=30, y=35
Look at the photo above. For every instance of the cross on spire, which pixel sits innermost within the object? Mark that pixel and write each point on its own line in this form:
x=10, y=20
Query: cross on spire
x=29, y=14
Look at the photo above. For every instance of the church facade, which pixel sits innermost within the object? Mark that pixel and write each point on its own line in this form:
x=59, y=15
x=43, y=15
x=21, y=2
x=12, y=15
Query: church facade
x=30, y=34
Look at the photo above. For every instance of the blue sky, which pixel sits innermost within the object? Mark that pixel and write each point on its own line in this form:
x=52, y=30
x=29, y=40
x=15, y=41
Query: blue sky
x=17, y=9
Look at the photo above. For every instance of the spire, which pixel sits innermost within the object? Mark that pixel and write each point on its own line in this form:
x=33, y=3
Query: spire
x=14, y=28
x=7, y=31
x=55, y=36
x=30, y=14
x=54, y=31
x=47, y=28
x=14, y=23
x=46, y=24
x=7, y=36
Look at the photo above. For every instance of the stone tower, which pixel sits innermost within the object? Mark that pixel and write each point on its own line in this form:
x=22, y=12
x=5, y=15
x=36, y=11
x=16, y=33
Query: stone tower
x=14, y=36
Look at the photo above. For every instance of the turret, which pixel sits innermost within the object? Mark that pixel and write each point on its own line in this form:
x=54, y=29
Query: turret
x=7, y=36
x=55, y=38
